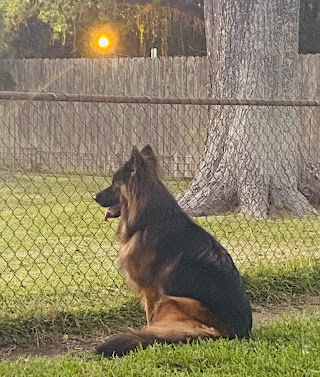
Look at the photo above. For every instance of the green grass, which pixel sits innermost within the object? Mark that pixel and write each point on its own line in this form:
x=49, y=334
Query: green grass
x=57, y=272
x=289, y=346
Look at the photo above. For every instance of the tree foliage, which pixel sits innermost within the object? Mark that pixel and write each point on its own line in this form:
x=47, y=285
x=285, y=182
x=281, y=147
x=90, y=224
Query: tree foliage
x=140, y=22
x=60, y=28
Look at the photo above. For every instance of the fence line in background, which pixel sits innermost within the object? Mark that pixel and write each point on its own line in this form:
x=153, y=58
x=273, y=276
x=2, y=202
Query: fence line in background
x=94, y=133
x=161, y=77
x=64, y=97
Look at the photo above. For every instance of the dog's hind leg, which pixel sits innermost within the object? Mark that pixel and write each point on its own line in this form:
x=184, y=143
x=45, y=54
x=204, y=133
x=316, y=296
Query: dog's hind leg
x=187, y=312
x=150, y=297
x=172, y=320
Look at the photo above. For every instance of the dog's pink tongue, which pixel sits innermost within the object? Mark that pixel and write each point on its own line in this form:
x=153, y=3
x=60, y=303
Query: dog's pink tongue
x=106, y=216
x=111, y=212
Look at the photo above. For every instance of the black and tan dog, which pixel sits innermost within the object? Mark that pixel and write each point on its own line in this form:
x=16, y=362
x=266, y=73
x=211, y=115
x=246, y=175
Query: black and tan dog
x=187, y=281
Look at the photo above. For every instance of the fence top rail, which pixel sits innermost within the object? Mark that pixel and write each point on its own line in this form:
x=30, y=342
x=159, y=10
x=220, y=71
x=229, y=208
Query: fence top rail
x=63, y=97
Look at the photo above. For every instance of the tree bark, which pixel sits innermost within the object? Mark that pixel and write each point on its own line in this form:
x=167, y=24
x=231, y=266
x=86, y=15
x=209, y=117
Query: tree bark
x=254, y=157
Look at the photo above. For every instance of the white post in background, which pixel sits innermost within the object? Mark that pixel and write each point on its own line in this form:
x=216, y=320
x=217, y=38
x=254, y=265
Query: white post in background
x=153, y=52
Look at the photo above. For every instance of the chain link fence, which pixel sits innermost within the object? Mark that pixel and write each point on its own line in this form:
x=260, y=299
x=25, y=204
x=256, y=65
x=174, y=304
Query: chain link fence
x=249, y=169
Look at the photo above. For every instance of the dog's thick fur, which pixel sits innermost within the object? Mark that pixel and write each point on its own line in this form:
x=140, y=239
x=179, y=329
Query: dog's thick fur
x=187, y=281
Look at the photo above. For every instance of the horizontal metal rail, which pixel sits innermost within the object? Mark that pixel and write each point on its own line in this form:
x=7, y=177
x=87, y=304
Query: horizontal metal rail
x=61, y=97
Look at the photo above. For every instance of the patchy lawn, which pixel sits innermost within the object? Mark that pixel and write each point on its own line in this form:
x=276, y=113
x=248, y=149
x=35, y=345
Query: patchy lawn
x=286, y=346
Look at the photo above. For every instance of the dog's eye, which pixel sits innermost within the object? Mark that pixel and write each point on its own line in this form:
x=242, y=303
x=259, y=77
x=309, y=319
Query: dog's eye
x=116, y=181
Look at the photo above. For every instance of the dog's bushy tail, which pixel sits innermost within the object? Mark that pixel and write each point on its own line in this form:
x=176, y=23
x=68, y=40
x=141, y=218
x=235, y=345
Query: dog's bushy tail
x=122, y=344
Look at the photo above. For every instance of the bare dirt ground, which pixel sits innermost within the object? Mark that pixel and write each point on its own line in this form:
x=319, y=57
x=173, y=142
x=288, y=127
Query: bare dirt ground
x=73, y=345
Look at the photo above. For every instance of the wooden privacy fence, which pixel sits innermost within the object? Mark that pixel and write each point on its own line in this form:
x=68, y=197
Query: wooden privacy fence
x=95, y=134
x=161, y=77
x=179, y=132
x=183, y=77
x=97, y=137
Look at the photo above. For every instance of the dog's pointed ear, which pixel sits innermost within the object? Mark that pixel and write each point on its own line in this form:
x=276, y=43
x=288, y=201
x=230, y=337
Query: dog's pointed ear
x=134, y=152
x=149, y=156
x=137, y=160
x=147, y=151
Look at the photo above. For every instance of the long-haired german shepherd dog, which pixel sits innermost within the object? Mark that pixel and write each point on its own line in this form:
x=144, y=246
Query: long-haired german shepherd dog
x=187, y=281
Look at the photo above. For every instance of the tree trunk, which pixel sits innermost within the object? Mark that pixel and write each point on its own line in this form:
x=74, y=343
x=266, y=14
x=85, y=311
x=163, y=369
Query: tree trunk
x=255, y=156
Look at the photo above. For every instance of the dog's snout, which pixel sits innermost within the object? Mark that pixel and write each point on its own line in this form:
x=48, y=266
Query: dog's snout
x=94, y=197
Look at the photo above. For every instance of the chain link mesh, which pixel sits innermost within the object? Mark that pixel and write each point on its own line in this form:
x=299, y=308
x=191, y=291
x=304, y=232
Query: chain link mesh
x=56, y=253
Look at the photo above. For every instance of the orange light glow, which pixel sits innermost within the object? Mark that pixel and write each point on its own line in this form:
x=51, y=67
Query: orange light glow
x=102, y=40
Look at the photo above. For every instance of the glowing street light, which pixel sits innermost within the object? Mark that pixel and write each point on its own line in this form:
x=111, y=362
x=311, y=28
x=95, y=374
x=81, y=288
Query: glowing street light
x=103, y=42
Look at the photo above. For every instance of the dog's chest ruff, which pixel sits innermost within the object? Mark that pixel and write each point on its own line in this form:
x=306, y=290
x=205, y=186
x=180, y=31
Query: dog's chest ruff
x=135, y=260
